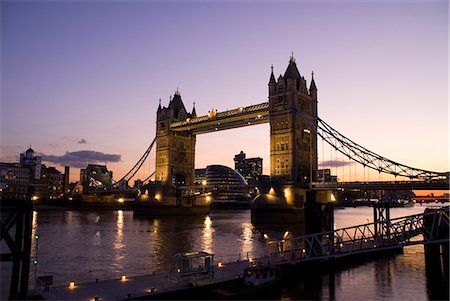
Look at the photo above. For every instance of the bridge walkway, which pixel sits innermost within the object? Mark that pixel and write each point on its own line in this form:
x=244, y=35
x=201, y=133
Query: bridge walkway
x=370, y=237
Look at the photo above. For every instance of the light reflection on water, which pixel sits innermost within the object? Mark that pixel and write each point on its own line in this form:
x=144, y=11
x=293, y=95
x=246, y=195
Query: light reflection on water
x=82, y=246
x=246, y=238
x=207, y=241
x=119, y=246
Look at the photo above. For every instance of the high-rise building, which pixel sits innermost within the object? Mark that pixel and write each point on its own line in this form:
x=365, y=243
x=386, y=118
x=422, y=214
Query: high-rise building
x=250, y=169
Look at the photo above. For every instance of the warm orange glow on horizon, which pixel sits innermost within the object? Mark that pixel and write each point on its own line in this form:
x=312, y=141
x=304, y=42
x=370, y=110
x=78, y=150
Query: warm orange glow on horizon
x=430, y=192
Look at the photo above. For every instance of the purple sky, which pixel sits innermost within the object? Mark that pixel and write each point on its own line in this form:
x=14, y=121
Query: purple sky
x=87, y=75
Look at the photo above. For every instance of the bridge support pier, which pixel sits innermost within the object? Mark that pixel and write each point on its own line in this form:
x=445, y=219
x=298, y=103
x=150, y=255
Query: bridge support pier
x=16, y=227
x=437, y=253
x=319, y=215
x=437, y=270
x=381, y=220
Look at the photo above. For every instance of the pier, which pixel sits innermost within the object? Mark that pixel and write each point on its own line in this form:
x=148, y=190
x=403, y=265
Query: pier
x=146, y=286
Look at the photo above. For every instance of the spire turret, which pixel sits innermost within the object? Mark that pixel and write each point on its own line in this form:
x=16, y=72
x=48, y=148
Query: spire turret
x=291, y=70
x=194, y=113
x=313, y=83
x=272, y=77
x=177, y=107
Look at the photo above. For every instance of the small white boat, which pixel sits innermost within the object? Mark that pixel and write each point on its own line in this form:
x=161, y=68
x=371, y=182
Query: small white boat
x=254, y=278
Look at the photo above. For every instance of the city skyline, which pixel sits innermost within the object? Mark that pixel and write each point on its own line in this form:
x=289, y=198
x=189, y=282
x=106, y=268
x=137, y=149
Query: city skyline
x=82, y=81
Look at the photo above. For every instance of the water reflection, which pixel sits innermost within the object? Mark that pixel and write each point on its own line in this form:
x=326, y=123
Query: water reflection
x=69, y=217
x=65, y=252
x=34, y=226
x=247, y=239
x=383, y=277
x=208, y=231
x=118, y=243
x=155, y=228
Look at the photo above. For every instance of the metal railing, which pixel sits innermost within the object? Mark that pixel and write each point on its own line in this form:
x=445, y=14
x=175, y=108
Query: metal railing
x=395, y=233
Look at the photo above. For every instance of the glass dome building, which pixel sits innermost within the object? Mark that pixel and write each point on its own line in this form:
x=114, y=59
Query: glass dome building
x=220, y=176
x=228, y=187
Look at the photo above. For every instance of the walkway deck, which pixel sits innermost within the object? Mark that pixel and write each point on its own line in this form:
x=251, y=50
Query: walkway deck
x=141, y=286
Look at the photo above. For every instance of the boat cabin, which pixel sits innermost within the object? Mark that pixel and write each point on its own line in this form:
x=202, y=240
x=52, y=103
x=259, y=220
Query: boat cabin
x=193, y=263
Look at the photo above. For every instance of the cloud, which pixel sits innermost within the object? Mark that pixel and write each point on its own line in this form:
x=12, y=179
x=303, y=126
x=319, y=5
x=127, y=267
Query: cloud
x=82, y=141
x=334, y=163
x=81, y=159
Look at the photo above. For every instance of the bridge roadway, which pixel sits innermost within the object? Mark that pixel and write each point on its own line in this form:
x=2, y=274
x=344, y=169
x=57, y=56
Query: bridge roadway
x=242, y=116
x=384, y=185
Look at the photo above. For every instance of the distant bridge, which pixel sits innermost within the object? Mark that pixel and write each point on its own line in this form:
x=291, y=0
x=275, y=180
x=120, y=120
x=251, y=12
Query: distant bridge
x=384, y=185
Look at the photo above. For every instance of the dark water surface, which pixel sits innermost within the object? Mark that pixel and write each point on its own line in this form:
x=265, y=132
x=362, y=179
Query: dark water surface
x=81, y=246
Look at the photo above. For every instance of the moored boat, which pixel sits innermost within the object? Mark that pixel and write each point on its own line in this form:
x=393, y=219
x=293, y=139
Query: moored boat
x=255, y=278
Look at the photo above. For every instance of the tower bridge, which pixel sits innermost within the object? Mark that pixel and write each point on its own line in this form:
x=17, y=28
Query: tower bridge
x=292, y=113
x=293, y=146
x=294, y=128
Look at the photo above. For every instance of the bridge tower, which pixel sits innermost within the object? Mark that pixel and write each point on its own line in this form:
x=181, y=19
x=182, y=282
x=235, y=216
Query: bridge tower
x=175, y=151
x=293, y=146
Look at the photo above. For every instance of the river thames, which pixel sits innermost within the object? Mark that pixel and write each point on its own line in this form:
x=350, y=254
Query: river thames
x=82, y=246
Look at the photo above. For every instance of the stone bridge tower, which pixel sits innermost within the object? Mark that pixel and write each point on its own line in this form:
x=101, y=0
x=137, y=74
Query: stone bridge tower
x=175, y=151
x=293, y=146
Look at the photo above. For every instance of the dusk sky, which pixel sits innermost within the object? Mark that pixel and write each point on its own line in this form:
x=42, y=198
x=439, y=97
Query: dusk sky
x=88, y=75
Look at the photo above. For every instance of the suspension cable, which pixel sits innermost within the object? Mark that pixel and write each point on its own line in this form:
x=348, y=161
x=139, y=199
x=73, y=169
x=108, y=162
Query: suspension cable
x=366, y=157
x=138, y=165
x=148, y=178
